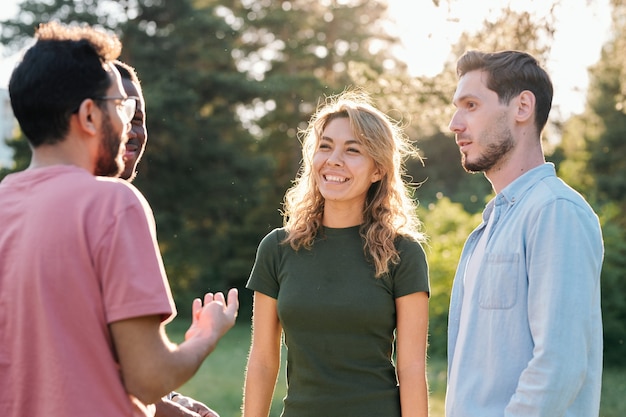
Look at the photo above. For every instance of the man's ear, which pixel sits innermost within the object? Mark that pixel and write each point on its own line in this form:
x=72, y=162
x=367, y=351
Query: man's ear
x=89, y=116
x=526, y=102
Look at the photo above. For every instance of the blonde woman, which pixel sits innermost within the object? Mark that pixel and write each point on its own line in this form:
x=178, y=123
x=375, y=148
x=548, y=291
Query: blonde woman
x=345, y=280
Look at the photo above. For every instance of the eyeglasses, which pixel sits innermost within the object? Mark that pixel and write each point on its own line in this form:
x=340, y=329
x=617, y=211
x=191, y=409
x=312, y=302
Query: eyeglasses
x=127, y=104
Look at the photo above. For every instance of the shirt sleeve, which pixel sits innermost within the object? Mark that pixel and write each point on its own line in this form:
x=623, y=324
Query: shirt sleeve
x=564, y=257
x=264, y=275
x=411, y=274
x=129, y=263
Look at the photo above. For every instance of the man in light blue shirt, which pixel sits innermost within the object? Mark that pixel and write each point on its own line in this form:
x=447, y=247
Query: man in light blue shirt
x=525, y=326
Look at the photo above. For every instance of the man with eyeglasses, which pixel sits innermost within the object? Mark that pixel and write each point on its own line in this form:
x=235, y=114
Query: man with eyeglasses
x=83, y=292
x=125, y=107
x=174, y=404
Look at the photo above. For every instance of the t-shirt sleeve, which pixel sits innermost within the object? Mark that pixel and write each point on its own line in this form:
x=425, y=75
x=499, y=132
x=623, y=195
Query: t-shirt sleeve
x=411, y=274
x=129, y=263
x=264, y=275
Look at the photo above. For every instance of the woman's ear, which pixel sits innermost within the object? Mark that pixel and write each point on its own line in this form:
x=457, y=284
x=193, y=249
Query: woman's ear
x=377, y=175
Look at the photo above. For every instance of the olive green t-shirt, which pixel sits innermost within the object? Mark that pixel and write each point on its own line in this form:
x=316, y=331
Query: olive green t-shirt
x=338, y=321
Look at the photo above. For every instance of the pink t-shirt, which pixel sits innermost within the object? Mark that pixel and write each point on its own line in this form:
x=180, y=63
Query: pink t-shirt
x=77, y=252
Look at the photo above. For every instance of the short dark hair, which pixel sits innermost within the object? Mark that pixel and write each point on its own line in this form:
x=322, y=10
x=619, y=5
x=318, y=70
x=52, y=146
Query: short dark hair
x=510, y=73
x=65, y=66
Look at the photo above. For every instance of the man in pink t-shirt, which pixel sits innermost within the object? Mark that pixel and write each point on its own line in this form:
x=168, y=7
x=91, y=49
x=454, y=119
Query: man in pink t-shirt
x=83, y=292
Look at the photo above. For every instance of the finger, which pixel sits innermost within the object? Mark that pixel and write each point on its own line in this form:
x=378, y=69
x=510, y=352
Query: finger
x=202, y=409
x=205, y=411
x=182, y=400
x=196, y=308
x=219, y=297
x=208, y=297
x=233, y=302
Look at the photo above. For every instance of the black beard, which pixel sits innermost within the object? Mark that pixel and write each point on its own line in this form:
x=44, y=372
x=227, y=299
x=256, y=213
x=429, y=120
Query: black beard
x=108, y=163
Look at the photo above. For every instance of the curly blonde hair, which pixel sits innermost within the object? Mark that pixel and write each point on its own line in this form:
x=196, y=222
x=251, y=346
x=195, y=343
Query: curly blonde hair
x=389, y=210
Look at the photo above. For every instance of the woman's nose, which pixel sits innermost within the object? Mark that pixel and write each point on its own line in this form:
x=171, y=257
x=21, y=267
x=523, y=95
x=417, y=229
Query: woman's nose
x=334, y=158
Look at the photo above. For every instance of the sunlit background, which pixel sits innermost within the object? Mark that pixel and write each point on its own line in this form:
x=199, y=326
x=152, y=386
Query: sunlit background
x=223, y=143
x=427, y=33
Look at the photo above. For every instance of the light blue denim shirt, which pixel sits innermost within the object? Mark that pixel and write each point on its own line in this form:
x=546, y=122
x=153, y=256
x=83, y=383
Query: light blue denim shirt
x=533, y=344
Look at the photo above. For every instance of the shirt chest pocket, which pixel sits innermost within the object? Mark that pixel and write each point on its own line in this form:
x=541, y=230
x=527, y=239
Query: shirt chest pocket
x=498, y=280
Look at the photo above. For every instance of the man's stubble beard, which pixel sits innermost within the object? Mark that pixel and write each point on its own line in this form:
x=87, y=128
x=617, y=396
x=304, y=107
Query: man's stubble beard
x=499, y=144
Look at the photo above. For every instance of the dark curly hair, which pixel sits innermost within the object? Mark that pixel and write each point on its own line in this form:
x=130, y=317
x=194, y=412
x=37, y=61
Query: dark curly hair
x=66, y=65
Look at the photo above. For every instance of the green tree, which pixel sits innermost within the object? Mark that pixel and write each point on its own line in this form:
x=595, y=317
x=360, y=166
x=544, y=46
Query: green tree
x=447, y=224
x=595, y=156
x=301, y=51
x=202, y=170
x=613, y=285
x=21, y=155
x=228, y=86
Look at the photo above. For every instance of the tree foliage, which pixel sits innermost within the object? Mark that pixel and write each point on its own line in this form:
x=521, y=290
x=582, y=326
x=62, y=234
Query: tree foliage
x=447, y=224
x=300, y=52
x=595, y=162
x=228, y=86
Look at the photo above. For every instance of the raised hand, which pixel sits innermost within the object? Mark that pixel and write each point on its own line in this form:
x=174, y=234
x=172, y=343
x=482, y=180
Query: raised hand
x=215, y=317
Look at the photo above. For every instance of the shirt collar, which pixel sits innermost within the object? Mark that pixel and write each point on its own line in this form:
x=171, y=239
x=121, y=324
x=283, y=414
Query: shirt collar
x=515, y=190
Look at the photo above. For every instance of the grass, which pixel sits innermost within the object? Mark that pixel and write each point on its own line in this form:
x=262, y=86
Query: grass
x=219, y=381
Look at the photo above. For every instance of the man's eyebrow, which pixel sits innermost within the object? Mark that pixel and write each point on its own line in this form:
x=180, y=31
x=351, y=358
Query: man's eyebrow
x=465, y=97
